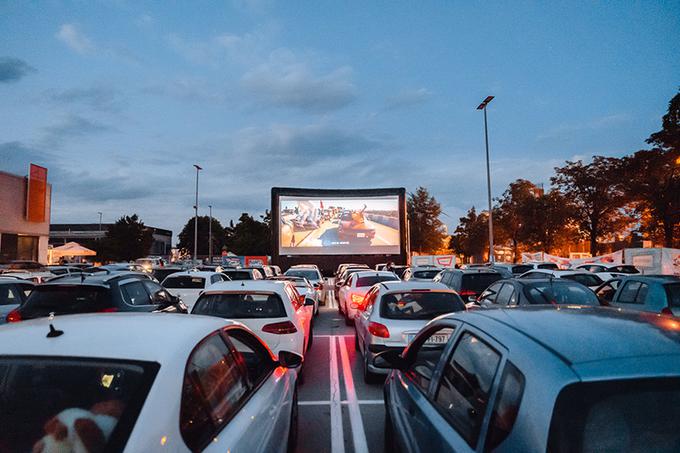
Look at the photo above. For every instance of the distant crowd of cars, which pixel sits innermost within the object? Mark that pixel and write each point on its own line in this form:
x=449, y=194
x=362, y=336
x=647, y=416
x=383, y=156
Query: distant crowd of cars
x=514, y=357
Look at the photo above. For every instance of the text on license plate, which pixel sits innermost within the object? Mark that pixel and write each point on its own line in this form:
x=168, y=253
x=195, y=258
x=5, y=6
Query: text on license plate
x=361, y=235
x=434, y=339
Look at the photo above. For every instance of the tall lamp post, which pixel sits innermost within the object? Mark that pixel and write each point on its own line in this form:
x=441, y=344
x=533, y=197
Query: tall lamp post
x=100, y=223
x=198, y=168
x=210, y=236
x=482, y=106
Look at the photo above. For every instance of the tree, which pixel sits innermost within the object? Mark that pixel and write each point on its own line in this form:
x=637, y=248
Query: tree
x=513, y=215
x=548, y=225
x=594, y=190
x=470, y=238
x=186, y=236
x=668, y=137
x=250, y=236
x=126, y=240
x=426, y=230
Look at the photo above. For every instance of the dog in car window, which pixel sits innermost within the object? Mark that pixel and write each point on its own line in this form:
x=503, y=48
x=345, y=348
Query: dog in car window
x=76, y=430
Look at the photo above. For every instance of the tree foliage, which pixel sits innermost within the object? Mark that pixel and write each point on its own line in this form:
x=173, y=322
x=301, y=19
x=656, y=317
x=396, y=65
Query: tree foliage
x=426, y=230
x=126, y=240
x=470, y=238
x=250, y=236
x=186, y=236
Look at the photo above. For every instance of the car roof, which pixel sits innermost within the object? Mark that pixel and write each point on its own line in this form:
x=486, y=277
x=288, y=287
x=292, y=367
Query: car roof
x=411, y=285
x=368, y=273
x=579, y=334
x=98, y=278
x=475, y=270
x=133, y=336
x=203, y=274
x=248, y=285
x=14, y=280
x=653, y=278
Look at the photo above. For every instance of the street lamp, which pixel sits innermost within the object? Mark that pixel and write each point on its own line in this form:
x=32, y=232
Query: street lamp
x=482, y=106
x=198, y=168
x=210, y=236
x=100, y=224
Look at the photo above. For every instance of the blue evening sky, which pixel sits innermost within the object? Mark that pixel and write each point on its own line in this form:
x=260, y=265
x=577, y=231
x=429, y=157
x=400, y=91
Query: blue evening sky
x=119, y=98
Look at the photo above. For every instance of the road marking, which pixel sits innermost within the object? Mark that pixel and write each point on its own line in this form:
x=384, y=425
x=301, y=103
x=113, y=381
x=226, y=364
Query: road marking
x=358, y=434
x=326, y=403
x=332, y=336
x=337, y=438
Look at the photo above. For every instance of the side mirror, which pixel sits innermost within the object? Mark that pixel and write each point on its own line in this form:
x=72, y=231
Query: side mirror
x=389, y=359
x=309, y=301
x=289, y=359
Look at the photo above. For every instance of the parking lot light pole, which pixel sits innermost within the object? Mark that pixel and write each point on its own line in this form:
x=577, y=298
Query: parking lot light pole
x=100, y=223
x=482, y=106
x=210, y=236
x=198, y=168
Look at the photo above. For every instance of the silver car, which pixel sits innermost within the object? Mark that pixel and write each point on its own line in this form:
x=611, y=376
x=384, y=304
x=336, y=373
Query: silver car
x=13, y=292
x=394, y=312
x=421, y=273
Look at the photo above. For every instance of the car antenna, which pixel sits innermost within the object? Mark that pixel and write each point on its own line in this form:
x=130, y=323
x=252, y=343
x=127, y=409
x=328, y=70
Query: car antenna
x=53, y=333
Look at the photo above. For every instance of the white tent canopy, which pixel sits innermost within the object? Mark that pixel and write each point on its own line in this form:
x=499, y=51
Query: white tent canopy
x=69, y=249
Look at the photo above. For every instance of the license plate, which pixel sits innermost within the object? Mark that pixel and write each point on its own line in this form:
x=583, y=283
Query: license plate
x=361, y=235
x=434, y=339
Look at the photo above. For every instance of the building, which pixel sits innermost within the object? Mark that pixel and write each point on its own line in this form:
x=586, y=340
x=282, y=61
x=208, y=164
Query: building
x=88, y=233
x=25, y=207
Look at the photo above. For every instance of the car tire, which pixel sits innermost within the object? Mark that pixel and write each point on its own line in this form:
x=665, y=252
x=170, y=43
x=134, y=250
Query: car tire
x=389, y=442
x=293, y=429
x=370, y=377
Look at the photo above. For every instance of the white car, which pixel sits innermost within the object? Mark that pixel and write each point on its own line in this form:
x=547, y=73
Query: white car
x=139, y=382
x=607, y=271
x=394, y=312
x=304, y=287
x=273, y=309
x=421, y=273
x=588, y=279
x=311, y=273
x=356, y=287
x=190, y=284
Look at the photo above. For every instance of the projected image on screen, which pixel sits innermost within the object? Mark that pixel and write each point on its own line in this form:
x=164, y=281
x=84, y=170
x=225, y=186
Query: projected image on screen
x=310, y=225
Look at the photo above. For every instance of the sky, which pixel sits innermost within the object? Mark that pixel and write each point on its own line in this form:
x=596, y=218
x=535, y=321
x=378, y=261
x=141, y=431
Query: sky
x=118, y=99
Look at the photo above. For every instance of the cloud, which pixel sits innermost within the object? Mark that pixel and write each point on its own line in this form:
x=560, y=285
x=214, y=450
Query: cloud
x=407, y=98
x=96, y=97
x=73, y=126
x=13, y=69
x=75, y=39
x=245, y=49
x=285, y=80
x=15, y=157
x=189, y=89
x=568, y=130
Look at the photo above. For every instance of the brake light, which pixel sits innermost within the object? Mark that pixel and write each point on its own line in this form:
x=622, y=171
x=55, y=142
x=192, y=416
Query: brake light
x=108, y=310
x=467, y=292
x=378, y=330
x=280, y=328
x=13, y=316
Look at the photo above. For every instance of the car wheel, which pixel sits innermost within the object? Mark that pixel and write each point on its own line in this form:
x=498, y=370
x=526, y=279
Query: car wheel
x=293, y=430
x=390, y=443
x=370, y=377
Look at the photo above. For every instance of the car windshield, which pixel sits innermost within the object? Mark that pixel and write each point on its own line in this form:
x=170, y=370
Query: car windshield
x=585, y=279
x=673, y=292
x=373, y=279
x=631, y=415
x=522, y=268
x=184, y=282
x=41, y=396
x=478, y=282
x=419, y=305
x=160, y=274
x=560, y=292
x=552, y=266
x=309, y=274
x=65, y=299
x=240, y=305
x=428, y=274
x=624, y=269
x=238, y=275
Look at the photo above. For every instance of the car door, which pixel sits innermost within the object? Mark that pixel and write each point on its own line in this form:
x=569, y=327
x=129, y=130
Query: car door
x=135, y=295
x=302, y=313
x=342, y=292
x=361, y=321
x=488, y=297
x=507, y=296
x=631, y=295
x=605, y=293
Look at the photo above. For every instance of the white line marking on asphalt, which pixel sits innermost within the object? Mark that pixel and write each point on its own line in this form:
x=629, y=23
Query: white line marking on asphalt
x=326, y=403
x=358, y=434
x=337, y=438
x=378, y=402
x=331, y=336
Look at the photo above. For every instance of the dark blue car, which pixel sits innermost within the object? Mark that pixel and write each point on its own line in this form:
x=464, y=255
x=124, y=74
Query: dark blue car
x=536, y=379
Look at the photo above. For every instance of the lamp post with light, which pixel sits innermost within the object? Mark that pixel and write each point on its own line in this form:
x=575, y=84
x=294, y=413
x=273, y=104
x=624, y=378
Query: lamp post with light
x=198, y=168
x=482, y=106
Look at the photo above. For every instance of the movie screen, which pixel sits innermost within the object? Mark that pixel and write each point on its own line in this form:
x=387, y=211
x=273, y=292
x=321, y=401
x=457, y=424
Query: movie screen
x=338, y=226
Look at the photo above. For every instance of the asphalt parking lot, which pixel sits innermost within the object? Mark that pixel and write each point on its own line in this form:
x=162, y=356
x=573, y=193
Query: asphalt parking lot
x=338, y=412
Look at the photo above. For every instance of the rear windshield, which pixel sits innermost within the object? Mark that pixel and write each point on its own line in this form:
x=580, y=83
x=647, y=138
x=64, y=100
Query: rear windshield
x=240, y=306
x=521, y=269
x=430, y=274
x=238, y=275
x=373, y=279
x=478, y=282
x=585, y=279
x=624, y=269
x=547, y=266
x=632, y=415
x=309, y=274
x=184, y=282
x=673, y=292
x=556, y=292
x=419, y=305
x=65, y=299
x=160, y=274
x=43, y=395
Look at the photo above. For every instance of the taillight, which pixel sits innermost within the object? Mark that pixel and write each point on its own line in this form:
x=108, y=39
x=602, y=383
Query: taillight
x=378, y=330
x=280, y=328
x=357, y=298
x=13, y=316
x=108, y=310
x=467, y=292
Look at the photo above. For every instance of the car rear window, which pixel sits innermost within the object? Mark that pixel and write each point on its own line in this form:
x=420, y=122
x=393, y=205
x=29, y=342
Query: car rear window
x=43, y=397
x=240, y=305
x=429, y=274
x=552, y=266
x=478, y=282
x=373, y=279
x=160, y=274
x=556, y=292
x=419, y=305
x=309, y=274
x=184, y=282
x=239, y=275
x=585, y=279
x=521, y=269
x=626, y=415
x=673, y=292
x=66, y=299
x=624, y=269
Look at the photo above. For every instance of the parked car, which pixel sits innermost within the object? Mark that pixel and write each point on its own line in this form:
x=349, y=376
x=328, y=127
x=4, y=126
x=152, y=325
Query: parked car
x=29, y=275
x=144, y=383
x=13, y=292
x=118, y=267
x=542, y=265
x=356, y=287
x=188, y=285
x=344, y=266
x=303, y=286
x=392, y=314
x=585, y=278
x=313, y=275
x=264, y=270
x=420, y=273
x=342, y=278
x=607, y=271
x=531, y=380
x=653, y=293
x=64, y=270
x=509, y=270
x=276, y=270
x=513, y=292
x=468, y=283
x=243, y=274
x=159, y=273
x=274, y=310
x=101, y=292
x=150, y=262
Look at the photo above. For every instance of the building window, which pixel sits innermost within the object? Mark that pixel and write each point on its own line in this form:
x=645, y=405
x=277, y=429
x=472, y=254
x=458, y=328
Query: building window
x=15, y=247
